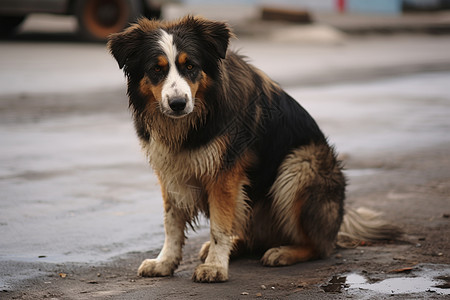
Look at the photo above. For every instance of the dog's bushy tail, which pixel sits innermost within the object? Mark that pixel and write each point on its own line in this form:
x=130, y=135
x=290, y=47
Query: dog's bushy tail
x=364, y=225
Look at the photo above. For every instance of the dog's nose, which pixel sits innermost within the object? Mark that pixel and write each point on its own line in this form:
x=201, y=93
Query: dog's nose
x=177, y=104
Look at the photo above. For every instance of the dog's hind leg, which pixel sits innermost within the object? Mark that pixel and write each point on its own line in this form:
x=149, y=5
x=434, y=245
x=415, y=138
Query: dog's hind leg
x=307, y=206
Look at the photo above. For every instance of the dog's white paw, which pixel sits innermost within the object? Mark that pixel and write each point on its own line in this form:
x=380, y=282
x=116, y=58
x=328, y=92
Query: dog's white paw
x=155, y=267
x=210, y=273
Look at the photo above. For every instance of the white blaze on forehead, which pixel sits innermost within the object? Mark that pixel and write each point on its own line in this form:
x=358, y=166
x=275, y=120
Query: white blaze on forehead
x=174, y=85
x=168, y=47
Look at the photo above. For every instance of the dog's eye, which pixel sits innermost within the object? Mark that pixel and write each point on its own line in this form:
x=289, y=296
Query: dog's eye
x=189, y=67
x=157, y=69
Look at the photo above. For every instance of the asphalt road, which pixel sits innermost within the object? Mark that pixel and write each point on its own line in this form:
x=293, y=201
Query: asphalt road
x=79, y=206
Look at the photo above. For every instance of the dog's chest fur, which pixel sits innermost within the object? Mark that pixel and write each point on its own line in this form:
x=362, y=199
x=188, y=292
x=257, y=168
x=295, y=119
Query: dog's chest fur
x=185, y=173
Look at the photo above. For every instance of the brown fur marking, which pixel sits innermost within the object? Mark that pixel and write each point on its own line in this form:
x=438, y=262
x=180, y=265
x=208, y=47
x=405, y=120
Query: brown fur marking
x=223, y=193
x=153, y=92
x=182, y=58
x=162, y=61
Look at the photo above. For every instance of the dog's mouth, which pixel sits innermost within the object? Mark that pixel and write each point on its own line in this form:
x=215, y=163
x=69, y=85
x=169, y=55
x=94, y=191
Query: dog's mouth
x=175, y=114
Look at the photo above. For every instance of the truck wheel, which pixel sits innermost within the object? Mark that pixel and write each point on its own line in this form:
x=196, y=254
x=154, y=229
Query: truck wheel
x=99, y=18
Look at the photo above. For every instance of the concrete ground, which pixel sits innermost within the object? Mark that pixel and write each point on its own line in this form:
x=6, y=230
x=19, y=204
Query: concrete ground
x=80, y=209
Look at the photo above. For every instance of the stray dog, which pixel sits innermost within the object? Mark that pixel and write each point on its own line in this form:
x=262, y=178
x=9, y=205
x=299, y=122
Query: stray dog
x=226, y=141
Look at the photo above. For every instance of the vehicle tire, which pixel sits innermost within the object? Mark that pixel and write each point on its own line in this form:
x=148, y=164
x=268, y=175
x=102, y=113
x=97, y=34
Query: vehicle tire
x=99, y=18
x=9, y=24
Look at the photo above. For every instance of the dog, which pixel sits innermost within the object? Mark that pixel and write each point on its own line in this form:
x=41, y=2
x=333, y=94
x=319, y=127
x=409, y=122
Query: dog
x=228, y=142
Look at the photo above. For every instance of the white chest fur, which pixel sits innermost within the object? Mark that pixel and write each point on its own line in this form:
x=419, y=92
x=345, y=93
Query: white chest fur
x=184, y=174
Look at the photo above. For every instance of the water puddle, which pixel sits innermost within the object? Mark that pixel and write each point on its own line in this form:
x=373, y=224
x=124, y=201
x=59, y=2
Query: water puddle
x=422, y=279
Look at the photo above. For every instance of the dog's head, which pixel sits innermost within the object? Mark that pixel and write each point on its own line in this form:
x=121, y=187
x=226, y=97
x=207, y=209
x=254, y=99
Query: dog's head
x=169, y=63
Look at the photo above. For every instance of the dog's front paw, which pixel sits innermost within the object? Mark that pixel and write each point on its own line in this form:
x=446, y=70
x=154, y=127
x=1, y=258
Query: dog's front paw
x=210, y=273
x=155, y=267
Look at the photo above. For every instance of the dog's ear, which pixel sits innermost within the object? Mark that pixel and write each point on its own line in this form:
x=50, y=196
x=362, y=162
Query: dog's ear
x=124, y=46
x=214, y=36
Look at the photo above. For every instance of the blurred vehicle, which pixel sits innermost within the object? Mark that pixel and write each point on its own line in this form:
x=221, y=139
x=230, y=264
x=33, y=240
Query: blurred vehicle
x=96, y=18
x=425, y=5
